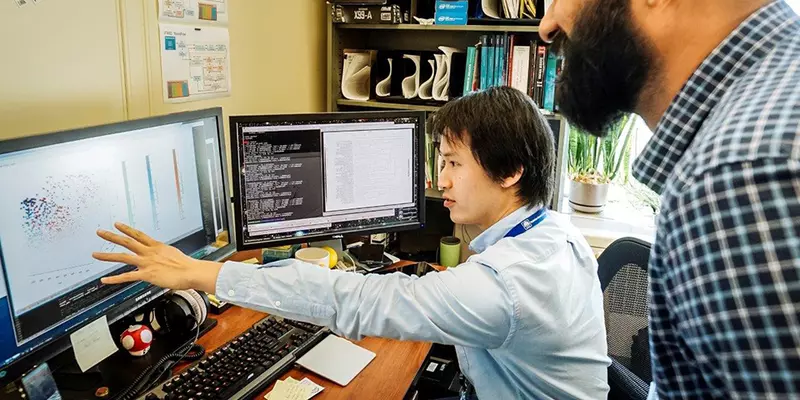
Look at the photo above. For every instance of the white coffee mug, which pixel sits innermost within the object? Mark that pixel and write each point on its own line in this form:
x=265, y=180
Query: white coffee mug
x=314, y=255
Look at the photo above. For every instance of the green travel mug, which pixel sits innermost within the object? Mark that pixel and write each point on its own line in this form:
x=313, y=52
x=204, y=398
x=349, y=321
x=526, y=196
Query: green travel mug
x=449, y=251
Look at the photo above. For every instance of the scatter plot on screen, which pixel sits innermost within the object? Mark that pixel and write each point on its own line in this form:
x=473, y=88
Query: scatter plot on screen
x=60, y=208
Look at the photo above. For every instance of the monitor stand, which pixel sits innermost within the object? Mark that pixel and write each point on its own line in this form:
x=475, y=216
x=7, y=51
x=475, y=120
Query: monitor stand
x=116, y=372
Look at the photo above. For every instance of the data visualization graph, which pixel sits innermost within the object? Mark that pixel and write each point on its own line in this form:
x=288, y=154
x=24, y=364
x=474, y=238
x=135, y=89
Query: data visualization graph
x=178, y=182
x=59, y=208
x=153, y=193
x=129, y=199
x=58, y=218
x=52, y=206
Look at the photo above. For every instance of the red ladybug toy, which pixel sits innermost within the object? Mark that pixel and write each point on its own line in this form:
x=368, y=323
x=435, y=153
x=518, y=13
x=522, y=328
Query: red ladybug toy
x=137, y=339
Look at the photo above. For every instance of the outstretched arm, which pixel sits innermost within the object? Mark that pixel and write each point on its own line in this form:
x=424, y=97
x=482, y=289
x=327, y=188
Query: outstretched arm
x=467, y=306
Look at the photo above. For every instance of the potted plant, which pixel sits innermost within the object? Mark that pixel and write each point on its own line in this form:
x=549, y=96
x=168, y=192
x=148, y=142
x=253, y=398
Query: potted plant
x=595, y=162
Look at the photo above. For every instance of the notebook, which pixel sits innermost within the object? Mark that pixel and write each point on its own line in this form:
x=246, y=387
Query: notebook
x=336, y=359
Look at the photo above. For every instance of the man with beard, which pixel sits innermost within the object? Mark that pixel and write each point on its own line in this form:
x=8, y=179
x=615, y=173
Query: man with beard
x=719, y=83
x=525, y=314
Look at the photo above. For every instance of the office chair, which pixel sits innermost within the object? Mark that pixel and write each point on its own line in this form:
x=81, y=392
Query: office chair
x=622, y=269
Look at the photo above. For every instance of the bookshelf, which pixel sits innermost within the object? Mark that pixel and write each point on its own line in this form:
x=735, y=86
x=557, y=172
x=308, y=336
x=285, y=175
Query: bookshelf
x=385, y=105
x=458, y=28
x=416, y=37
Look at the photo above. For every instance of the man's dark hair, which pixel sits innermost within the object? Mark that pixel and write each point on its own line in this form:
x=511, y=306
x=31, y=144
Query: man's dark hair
x=506, y=133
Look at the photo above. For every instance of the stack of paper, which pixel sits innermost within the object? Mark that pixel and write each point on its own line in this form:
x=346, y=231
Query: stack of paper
x=512, y=9
x=426, y=88
x=356, y=74
x=292, y=389
x=411, y=82
x=384, y=87
x=444, y=66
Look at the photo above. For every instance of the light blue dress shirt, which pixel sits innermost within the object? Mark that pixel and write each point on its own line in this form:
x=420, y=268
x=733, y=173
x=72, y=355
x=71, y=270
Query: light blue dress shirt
x=525, y=314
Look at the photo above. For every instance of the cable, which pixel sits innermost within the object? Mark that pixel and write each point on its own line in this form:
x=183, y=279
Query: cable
x=144, y=381
x=352, y=260
x=198, y=353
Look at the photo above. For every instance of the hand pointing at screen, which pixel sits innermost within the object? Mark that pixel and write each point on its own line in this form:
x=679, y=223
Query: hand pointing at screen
x=157, y=263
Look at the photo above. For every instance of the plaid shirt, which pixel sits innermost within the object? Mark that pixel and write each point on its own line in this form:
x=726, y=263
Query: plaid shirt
x=725, y=266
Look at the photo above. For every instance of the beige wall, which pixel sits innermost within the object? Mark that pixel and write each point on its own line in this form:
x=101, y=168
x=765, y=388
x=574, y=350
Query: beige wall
x=72, y=63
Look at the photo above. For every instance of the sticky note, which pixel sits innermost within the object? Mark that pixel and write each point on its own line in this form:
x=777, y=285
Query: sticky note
x=92, y=344
x=292, y=389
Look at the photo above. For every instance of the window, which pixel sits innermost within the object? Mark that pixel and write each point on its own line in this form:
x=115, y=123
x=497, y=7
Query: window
x=629, y=202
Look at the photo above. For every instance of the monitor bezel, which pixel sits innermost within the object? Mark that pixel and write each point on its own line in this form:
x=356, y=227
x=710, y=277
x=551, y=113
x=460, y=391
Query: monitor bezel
x=148, y=293
x=235, y=132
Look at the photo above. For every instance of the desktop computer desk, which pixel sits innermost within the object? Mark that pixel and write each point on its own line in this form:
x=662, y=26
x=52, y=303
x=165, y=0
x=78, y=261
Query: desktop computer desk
x=387, y=377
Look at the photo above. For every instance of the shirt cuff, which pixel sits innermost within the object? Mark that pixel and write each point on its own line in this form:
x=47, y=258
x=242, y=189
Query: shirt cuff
x=233, y=281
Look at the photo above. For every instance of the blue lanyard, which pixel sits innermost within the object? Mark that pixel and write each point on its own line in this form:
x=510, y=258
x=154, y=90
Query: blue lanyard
x=528, y=223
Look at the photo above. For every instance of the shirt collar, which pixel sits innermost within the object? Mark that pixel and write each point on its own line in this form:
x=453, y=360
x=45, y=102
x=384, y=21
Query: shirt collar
x=501, y=228
x=743, y=47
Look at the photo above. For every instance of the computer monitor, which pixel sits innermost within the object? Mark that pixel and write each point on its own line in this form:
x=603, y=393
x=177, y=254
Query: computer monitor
x=164, y=175
x=311, y=177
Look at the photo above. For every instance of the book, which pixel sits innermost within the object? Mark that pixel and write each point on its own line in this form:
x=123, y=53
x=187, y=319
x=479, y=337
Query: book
x=469, y=74
x=520, y=59
x=548, y=97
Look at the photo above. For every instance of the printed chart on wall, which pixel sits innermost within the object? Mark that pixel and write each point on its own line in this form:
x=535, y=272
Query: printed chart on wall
x=195, y=62
x=193, y=11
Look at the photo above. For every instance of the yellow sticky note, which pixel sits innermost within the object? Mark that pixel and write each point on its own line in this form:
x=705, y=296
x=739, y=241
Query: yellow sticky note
x=289, y=390
x=251, y=261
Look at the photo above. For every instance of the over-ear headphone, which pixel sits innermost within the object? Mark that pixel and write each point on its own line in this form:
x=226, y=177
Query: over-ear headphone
x=180, y=312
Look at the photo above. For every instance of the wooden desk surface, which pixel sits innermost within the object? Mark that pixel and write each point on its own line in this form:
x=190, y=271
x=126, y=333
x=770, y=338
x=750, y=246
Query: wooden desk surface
x=387, y=377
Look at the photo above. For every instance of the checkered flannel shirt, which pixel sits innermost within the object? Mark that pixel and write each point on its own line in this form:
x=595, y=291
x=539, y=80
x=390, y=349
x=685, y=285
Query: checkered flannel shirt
x=725, y=266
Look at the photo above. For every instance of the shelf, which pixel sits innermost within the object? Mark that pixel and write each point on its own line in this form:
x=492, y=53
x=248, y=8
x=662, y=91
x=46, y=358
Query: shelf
x=458, y=28
x=412, y=107
x=390, y=106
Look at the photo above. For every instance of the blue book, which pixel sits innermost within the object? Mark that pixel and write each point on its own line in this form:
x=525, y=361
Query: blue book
x=484, y=67
x=469, y=73
x=500, y=64
x=550, y=81
x=492, y=61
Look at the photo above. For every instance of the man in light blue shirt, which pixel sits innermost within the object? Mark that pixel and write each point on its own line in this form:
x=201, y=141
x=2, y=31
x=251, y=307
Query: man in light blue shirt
x=525, y=313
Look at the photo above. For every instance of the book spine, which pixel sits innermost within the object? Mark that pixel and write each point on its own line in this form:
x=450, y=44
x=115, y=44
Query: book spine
x=550, y=81
x=541, y=58
x=509, y=61
x=490, y=62
x=532, y=70
x=469, y=70
x=519, y=69
x=559, y=67
x=499, y=57
x=486, y=45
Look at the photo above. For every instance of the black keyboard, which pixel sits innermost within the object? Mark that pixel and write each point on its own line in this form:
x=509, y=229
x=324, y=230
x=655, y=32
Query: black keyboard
x=245, y=366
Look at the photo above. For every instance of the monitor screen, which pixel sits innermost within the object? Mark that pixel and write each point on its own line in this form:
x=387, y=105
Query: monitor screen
x=312, y=177
x=164, y=176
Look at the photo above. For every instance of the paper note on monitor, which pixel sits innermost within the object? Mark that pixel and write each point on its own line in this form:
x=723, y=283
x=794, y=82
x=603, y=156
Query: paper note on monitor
x=92, y=344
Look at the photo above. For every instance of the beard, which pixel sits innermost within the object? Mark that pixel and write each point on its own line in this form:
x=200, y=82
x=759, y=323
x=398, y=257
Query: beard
x=607, y=63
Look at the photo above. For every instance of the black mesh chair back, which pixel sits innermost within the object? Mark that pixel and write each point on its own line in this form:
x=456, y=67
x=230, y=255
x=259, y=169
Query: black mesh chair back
x=622, y=269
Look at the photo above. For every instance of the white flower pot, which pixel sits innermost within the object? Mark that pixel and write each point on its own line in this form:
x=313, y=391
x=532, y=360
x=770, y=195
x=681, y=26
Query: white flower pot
x=588, y=197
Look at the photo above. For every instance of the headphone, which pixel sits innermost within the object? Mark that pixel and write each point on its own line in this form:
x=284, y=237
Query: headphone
x=178, y=312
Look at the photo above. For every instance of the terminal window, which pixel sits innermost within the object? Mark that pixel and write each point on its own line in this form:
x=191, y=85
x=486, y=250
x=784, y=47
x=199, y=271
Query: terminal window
x=316, y=177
